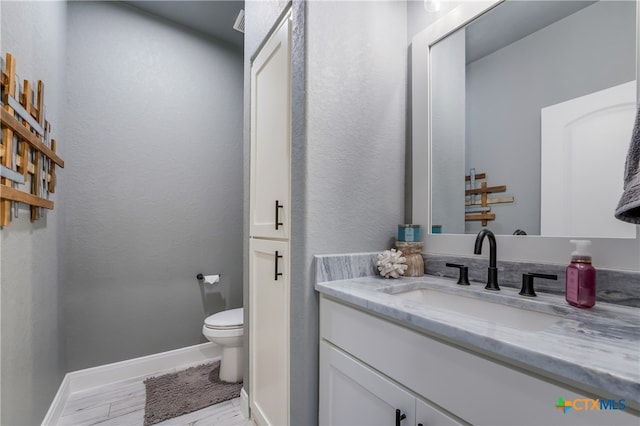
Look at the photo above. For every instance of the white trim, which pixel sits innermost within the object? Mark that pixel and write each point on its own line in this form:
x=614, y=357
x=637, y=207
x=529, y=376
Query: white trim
x=57, y=405
x=244, y=403
x=110, y=373
x=421, y=104
x=138, y=367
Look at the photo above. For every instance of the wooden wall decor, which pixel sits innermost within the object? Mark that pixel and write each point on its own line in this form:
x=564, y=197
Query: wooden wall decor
x=27, y=152
x=479, y=209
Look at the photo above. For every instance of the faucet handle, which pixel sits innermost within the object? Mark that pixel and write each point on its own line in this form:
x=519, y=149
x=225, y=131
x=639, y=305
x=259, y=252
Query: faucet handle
x=463, y=278
x=527, y=283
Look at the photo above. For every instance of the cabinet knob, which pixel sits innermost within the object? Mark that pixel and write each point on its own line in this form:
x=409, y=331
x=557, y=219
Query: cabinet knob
x=277, y=274
x=400, y=416
x=278, y=207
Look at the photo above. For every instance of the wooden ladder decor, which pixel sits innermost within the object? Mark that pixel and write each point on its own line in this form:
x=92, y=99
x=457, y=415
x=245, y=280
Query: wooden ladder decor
x=479, y=209
x=28, y=154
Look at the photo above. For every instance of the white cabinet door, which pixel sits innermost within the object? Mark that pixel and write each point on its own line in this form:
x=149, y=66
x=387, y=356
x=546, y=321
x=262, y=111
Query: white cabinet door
x=428, y=415
x=269, y=331
x=271, y=136
x=354, y=394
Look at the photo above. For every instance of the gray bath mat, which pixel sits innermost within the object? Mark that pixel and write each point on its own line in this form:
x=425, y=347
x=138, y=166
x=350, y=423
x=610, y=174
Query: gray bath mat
x=179, y=393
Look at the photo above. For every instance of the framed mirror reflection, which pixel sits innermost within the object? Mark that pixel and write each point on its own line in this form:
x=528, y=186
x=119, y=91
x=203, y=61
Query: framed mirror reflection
x=534, y=100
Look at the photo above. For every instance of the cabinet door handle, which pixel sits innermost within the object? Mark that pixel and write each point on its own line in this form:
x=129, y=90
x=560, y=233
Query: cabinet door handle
x=277, y=274
x=400, y=416
x=278, y=207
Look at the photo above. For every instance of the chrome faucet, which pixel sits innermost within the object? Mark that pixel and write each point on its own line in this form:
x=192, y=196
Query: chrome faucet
x=492, y=274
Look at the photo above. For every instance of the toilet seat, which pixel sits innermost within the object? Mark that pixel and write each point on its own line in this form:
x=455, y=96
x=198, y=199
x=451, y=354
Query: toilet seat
x=226, y=320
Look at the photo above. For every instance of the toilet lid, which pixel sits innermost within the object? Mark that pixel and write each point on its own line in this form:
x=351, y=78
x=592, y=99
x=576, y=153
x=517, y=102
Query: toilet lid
x=226, y=319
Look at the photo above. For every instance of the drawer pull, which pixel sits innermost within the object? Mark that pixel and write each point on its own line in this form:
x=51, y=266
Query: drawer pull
x=400, y=416
x=277, y=274
x=278, y=207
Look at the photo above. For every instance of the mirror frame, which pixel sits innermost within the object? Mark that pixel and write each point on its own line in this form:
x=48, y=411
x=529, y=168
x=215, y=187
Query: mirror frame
x=610, y=253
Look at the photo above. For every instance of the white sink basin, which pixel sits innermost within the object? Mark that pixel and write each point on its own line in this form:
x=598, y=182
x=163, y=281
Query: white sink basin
x=505, y=315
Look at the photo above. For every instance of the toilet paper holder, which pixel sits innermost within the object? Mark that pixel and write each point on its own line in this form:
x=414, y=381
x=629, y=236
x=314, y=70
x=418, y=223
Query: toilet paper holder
x=208, y=279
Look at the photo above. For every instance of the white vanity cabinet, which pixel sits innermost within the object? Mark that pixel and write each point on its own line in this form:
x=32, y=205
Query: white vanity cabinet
x=428, y=415
x=352, y=393
x=269, y=246
x=448, y=383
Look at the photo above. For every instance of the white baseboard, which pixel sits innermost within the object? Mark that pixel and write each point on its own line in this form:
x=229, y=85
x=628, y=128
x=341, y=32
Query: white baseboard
x=57, y=405
x=244, y=403
x=138, y=367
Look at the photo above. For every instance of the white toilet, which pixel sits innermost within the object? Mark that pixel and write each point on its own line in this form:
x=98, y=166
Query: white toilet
x=225, y=329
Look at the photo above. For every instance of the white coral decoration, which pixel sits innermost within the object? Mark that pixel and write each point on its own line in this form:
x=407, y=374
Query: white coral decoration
x=391, y=263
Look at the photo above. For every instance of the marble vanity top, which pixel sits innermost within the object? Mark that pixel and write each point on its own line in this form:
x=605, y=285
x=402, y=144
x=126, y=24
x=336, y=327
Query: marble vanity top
x=598, y=348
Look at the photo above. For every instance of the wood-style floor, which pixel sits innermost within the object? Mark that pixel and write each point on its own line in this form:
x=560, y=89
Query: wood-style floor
x=122, y=404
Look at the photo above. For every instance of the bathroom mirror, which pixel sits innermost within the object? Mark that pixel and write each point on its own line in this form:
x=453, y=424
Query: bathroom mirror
x=482, y=79
x=500, y=90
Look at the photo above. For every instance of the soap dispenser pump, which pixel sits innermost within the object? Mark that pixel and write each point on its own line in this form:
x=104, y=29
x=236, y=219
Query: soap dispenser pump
x=581, y=277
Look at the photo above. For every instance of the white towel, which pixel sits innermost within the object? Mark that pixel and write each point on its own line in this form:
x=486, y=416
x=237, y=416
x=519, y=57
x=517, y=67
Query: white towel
x=628, y=209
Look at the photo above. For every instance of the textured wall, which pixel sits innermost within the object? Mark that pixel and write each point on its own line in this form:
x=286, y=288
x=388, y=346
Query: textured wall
x=304, y=334
x=356, y=87
x=32, y=276
x=155, y=183
x=356, y=92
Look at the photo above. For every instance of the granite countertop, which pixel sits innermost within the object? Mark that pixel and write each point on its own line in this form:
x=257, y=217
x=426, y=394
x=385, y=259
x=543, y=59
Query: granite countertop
x=598, y=348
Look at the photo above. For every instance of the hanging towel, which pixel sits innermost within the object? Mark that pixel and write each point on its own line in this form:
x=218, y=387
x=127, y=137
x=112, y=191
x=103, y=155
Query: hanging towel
x=628, y=209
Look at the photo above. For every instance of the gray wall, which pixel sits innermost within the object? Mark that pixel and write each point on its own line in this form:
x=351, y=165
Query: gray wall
x=32, y=273
x=154, y=180
x=532, y=73
x=356, y=116
x=356, y=74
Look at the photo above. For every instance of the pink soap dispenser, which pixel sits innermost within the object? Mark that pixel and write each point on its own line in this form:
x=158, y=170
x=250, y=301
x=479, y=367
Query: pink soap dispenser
x=581, y=277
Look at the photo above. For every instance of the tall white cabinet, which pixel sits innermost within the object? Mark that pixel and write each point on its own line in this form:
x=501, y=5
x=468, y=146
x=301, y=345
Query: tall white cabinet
x=270, y=194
